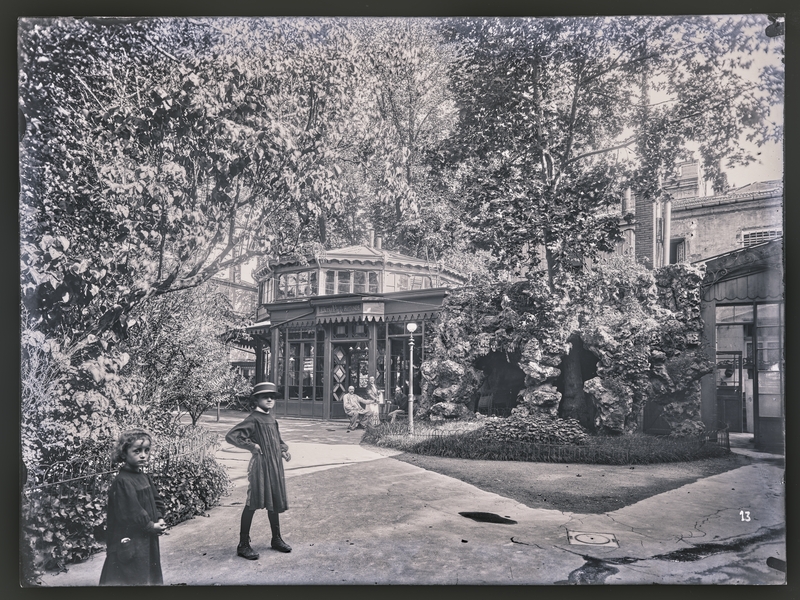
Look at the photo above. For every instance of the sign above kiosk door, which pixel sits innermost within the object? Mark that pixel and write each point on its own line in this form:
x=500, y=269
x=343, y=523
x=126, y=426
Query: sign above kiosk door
x=351, y=311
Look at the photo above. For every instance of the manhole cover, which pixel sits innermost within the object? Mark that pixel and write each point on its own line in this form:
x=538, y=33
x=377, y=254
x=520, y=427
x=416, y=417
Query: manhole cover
x=583, y=538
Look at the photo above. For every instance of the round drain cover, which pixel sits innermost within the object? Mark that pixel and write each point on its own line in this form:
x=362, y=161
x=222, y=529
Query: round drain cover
x=592, y=538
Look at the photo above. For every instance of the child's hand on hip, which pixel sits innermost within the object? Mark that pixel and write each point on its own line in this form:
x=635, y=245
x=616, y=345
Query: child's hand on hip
x=286, y=456
x=257, y=449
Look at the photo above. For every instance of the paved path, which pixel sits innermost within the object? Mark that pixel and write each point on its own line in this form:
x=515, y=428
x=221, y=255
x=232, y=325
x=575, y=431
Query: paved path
x=358, y=516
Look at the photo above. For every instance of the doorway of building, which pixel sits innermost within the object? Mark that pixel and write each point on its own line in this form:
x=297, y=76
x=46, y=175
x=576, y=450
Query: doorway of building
x=304, y=374
x=349, y=366
x=730, y=400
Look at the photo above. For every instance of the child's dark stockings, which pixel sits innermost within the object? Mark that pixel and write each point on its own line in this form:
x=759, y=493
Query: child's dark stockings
x=247, y=521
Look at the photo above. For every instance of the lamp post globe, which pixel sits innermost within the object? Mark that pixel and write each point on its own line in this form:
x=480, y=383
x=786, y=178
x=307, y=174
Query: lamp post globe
x=411, y=327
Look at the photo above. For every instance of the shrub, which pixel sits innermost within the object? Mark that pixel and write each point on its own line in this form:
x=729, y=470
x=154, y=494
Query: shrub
x=521, y=427
x=190, y=488
x=59, y=524
x=475, y=444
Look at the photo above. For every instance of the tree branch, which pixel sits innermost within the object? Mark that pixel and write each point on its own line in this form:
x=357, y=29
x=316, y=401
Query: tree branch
x=633, y=61
x=624, y=144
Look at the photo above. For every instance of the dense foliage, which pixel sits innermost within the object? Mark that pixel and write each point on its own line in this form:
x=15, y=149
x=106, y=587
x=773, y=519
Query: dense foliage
x=190, y=487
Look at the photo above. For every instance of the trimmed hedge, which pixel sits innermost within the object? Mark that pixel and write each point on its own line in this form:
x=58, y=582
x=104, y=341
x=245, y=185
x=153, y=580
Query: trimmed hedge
x=476, y=445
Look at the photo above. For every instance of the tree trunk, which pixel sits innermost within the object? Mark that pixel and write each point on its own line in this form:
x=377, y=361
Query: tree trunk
x=573, y=404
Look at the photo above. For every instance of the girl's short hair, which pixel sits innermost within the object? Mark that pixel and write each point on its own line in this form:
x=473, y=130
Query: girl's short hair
x=126, y=439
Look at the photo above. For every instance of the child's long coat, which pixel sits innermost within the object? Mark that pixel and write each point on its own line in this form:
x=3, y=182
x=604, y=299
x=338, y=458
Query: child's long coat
x=265, y=472
x=134, y=506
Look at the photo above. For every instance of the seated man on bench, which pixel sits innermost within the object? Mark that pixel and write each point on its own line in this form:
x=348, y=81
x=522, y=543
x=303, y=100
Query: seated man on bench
x=401, y=401
x=355, y=409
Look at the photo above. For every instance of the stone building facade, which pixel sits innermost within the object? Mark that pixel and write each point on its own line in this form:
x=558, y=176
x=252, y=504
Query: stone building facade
x=687, y=225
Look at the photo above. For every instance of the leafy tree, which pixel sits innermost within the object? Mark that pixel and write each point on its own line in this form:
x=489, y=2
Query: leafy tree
x=155, y=153
x=559, y=116
x=409, y=64
x=180, y=351
x=158, y=152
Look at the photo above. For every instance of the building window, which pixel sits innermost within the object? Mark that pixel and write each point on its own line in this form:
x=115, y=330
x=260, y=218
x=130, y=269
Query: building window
x=314, y=287
x=280, y=287
x=330, y=283
x=419, y=282
x=756, y=237
x=677, y=251
x=360, y=282
x=344, y=282
x=235, y=272
x=291, y=285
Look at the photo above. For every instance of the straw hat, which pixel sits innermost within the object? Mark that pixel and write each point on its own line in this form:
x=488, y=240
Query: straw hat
x=265, y=387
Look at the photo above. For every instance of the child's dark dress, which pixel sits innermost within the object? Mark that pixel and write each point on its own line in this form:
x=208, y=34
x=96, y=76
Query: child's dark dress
x=267, y=487
x=134, y=506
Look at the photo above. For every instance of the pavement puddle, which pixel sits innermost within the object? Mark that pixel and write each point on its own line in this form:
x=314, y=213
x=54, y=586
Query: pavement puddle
x=487, y=517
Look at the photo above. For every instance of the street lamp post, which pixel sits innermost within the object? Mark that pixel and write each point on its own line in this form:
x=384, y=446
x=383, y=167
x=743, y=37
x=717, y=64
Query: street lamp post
x=412, y=327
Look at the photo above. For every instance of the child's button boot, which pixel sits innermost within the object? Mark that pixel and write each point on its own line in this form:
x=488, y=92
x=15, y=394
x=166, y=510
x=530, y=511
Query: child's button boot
x=279, y=545
x=245, y=551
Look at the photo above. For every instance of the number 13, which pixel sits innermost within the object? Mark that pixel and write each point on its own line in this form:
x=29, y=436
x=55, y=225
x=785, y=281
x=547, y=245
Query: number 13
x=745, y=514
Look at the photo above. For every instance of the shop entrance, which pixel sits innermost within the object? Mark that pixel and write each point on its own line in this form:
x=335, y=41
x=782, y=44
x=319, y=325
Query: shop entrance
x=349, y=366
x=304, y=374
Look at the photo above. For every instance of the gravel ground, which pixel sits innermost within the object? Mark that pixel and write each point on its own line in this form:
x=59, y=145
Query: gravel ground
x=581, y=488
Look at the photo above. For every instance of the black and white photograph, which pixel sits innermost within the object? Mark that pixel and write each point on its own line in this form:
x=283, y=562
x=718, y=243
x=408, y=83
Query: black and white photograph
x=442, y=300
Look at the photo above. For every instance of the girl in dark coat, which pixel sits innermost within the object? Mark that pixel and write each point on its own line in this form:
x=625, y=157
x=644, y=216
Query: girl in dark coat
x=135, y=517
x=259, y=434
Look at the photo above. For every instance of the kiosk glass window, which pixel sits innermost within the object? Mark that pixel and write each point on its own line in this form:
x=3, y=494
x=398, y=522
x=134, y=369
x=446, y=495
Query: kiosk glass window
x=280, y=363
x=380, y=364
x=293, y=375
x=303, y=284
x=330, y=282
x=313, y=282
x=291, y=285
x=308, y=371
x=344, y=282
x=302, y=364
x=320, y=364
x=359, y=282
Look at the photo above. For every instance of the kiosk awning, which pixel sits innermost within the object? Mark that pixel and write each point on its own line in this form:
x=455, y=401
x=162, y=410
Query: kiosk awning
x=352, y=311
x=260, y=327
